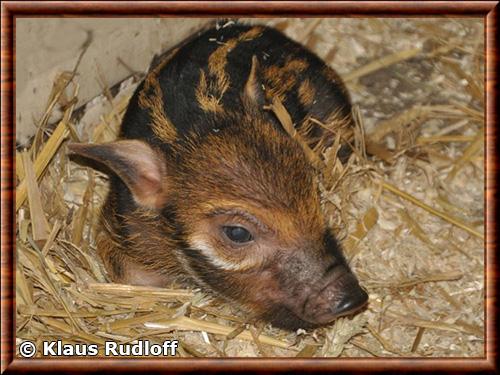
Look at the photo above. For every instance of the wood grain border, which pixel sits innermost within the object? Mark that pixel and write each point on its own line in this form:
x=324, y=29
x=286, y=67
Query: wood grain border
x=10, y=10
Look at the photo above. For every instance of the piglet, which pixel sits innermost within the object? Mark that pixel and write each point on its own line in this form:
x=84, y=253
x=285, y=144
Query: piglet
x=207, y=186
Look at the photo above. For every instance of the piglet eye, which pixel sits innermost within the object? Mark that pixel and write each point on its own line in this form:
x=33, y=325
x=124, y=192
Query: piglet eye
x=237, y=234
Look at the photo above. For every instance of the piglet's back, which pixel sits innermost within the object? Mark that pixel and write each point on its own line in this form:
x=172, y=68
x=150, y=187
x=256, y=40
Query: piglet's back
x=203, y=80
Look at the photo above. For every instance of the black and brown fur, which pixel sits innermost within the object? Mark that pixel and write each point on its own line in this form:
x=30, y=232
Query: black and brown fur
x=198, y=152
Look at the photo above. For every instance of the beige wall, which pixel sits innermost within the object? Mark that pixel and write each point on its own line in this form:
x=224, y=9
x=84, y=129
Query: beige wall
x=46, y=47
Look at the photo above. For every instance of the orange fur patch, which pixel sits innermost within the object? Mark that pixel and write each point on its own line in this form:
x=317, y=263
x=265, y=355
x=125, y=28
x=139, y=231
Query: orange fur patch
x=211, y=89
x=281, y=79
x=208, y=102
x=161, y=124
x=306, y=93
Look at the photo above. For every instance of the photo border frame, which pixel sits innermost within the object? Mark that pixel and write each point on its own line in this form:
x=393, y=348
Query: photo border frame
x=10, y=10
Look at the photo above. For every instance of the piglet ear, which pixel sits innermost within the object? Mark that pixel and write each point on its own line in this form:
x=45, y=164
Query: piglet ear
x=141, y=168
x=254, y=93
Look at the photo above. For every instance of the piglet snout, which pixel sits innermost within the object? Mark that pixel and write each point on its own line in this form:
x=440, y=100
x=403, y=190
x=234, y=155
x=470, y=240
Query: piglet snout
x=352, y=302
x=340, y=297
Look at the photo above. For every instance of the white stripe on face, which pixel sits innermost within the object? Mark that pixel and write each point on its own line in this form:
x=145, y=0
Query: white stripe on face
x=207, y=250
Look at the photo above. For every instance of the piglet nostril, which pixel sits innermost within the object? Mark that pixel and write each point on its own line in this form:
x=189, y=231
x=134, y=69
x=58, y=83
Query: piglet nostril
x=352, y=302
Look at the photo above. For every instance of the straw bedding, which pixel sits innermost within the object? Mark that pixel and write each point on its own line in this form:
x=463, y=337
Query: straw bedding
x=408, y=207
